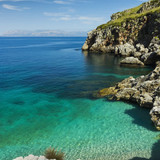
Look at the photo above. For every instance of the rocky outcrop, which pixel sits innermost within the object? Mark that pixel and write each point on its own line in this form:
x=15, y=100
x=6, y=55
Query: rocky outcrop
x=149, y=5
x=125, y=50
x=131, y=60
x=144, y=90
x=135, y=34
x=32, y=157
x=131, y=27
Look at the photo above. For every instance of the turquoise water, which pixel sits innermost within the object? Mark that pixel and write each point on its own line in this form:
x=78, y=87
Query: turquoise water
x=46, y=87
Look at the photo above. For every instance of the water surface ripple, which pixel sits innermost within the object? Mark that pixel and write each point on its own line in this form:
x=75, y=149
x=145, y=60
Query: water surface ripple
x=46, y=87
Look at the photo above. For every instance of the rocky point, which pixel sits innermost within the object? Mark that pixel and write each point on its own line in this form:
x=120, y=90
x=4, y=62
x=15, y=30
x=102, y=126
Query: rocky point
x=135, y=35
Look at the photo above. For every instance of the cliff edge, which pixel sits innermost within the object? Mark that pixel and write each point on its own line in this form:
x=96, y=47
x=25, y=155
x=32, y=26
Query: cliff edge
x=135, y=34
x=128, y=32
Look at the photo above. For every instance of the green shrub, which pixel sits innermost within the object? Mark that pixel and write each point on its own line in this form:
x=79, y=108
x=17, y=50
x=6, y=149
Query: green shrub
x=157, y=38
x=51, y=153
x=128, y=15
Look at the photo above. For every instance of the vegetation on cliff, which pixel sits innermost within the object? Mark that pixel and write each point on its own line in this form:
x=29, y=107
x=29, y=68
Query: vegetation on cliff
x=133, y=13
x=137, y=25
x=135, y=34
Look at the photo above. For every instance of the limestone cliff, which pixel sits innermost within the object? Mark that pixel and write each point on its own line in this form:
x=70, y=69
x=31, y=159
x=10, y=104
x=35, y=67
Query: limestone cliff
x=144, y=90
x=137, y=25
x=134, y=33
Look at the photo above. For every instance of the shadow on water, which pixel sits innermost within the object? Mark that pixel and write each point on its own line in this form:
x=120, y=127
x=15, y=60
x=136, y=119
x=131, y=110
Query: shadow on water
x=155, y=151
x=141, y=117
x=155, y=154
x=99, y=71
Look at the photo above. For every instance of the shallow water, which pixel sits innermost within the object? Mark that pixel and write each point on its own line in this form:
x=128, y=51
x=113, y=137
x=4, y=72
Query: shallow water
x=46, y=87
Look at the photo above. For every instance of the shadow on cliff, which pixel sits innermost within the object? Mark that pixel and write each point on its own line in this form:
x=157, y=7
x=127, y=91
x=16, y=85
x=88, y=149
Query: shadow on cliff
x=148, y=31
x=141, y=117
x=155, y=155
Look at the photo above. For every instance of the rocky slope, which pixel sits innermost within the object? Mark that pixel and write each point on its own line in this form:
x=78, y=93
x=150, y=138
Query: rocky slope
x=135, y=34
x=139, y=25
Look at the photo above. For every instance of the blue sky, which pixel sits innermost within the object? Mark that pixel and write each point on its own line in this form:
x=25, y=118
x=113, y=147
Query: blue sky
x=57, y=16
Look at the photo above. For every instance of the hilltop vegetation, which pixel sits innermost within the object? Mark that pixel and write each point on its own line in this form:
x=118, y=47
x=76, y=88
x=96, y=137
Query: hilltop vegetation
x=133, y=13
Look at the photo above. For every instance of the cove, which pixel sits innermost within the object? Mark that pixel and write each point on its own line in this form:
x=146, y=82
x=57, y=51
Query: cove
x=46, y=87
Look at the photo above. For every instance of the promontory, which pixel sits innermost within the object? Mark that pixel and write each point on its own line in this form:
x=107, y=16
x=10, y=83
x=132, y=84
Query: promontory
x=135, y=35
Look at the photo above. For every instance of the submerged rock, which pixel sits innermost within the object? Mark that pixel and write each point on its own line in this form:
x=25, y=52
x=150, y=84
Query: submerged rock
x=106, y=92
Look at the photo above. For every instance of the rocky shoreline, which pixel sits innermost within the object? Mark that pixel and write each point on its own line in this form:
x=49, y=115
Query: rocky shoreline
x=144, y=90
x=135, y=35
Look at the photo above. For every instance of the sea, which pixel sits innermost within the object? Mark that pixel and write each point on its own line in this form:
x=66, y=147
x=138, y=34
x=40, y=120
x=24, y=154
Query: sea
x=47, y=88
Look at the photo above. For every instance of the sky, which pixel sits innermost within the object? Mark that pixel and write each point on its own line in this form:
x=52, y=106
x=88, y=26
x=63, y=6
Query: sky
x=57, y=17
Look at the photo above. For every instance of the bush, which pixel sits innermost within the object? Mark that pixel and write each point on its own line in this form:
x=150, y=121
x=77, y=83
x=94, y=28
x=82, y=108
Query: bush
x=51, y=153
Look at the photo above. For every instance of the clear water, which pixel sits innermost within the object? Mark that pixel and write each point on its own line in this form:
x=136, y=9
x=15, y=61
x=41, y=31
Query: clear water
x=46, y=87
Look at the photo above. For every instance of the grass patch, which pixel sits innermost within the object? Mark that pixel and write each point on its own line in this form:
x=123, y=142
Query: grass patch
x=128, y=15
x=51, y=153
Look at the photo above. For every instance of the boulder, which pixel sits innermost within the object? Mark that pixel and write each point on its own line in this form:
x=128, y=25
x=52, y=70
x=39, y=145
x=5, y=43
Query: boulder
x=141, y=48
x=126, y=49
x=32, y=157
x=85, y=46
x=131, y=60
x=137, y=54
x=19, y=158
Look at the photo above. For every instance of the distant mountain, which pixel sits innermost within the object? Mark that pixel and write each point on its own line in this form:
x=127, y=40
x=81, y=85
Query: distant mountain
x=42, y=33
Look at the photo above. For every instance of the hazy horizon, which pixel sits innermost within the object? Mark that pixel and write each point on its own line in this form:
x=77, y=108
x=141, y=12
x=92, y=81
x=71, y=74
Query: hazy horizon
x=33, y=18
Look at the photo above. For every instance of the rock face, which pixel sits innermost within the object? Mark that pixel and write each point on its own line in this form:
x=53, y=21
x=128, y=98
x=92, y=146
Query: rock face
x=128, y=32
x=32, y=157
x=135, y=34
x=144, y=90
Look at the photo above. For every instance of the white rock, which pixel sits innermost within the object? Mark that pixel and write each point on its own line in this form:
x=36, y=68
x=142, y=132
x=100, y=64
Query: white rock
x=31, y=157
x=131, y=60
x=19, y=158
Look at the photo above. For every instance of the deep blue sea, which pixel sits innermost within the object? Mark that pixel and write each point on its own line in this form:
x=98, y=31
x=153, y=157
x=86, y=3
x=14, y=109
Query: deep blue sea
x=46, y=88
